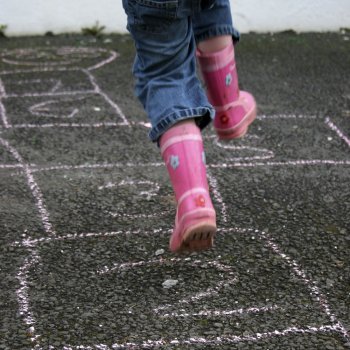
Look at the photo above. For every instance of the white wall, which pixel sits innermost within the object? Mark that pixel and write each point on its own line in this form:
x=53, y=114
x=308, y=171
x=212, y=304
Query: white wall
x=27, y=17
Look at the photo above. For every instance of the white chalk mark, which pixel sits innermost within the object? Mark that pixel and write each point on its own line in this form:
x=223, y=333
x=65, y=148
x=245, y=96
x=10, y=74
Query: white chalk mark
x=286, y=116
x=55, y=57
x=57, y=86
x=82, y=236
x=67, y=125
x=130, y=183
x=306, y=162
x=43, y=110
x=311, y=162
x=209, y=293
x=3, y=116
x=229, y=279
x=106, y=61
x=312, y=286
x=10, y=166
x=217, y=195
x=338, y=131
x=138, y=216
x=2, y=89
x=33, y=186
x=75, y=125
x=152, y=192
x=215, y=341
x=99, y=91
x=269, y=154
x=41, y=70
x=57, y=83
x=131, y=265
x=224, y=313
x=53, y=94
x=22, y=292
x=97, y=166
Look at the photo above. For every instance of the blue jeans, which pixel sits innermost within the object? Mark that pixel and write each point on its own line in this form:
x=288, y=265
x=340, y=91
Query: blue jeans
x=165, y=33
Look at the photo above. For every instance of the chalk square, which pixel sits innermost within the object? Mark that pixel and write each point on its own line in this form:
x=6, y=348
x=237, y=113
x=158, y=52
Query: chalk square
x=102, y=199
x=110, y=287
x=60, y=110
x=83, y=146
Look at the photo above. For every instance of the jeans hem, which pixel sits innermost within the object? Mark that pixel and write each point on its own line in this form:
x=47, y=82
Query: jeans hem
x=217, y=31
x=203, y=115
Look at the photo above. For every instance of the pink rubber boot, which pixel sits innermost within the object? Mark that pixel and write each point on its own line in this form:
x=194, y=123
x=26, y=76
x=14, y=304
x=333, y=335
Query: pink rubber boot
x=235, y=110
x=195, y=222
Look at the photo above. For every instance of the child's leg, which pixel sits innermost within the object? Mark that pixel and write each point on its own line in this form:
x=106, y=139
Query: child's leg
x=195, y=222
x=235, y=109
x=168, y=88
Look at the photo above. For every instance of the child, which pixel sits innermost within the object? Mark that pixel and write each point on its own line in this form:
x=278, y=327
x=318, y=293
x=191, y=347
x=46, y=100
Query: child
x=168, y=36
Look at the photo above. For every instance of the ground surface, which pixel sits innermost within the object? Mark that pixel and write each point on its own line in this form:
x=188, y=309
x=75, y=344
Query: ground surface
x=86, y=209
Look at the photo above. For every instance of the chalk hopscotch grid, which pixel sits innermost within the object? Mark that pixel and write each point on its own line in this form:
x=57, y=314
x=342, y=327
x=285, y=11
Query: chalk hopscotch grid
x=295, y=269
x=32, y=245
x=96, y=88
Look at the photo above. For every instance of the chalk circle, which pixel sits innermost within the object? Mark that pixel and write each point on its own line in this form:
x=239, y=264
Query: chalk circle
x=264, y=153
x=57, y=57
x=151, y=190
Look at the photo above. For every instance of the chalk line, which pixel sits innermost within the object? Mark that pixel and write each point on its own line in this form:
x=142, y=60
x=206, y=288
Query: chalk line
x=36, y=192
x=3, y=116
x=107, y=98
x=40, y=110
x=311, y=162
x=286, y=116
x=224, y=313
x=10, y=166
x=106, y=61
x=337, y=130
x=304, y=162
x=40, y=70
x=299, y=272
x=2, y=89
x=79, y=54
x=78, y=236
x=217, y=341
x=75, y=125
x=54, y=94
x=217, y=195
x=97, y=166
x=67, y=125
x=22, y=294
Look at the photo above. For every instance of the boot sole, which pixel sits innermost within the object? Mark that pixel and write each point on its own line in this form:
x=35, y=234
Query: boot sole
x=198, y=237
x=239, y=130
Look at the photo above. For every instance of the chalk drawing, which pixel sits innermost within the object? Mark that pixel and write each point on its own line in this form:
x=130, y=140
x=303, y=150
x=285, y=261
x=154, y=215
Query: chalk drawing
x=52, y=57
x=62, y=58
x=336, y=327
x=85, y=61
x=147, y=194
x=338, y=131
x=43, y=110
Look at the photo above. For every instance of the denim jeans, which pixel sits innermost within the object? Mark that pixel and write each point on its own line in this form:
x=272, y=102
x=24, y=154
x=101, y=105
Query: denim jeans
x=165, y=33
